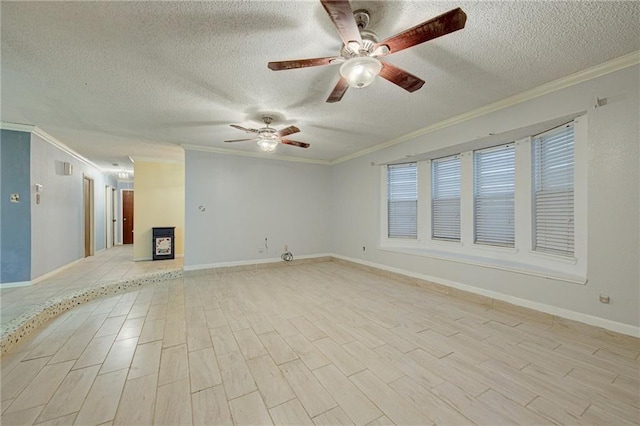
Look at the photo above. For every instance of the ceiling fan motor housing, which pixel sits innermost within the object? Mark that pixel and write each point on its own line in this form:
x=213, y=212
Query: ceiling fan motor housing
x=267, y=132
x=369, y=40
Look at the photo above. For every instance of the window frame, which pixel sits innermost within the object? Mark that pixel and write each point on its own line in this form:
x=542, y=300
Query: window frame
x=432, y=199
x=388, y=203
x=560, y=197
x=519, y=259
x=483, y=226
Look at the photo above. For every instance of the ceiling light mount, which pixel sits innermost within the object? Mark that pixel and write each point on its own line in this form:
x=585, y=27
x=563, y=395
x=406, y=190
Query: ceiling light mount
x=267, y=119
x=362, y=18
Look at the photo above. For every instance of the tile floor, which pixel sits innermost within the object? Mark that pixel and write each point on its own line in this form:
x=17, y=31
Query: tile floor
x=106, y=266
x=319, y=343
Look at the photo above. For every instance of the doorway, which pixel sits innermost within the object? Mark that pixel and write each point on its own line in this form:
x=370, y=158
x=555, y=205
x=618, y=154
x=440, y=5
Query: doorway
x=109, y=207
x=127, y=216
x=88, y=216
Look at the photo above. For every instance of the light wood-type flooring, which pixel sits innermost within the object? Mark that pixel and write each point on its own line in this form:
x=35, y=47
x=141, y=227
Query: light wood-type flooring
x=318, y=343
x=106, y=266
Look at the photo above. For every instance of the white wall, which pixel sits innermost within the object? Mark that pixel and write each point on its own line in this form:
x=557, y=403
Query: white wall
x=612, y=191
x=57, y=223
x=246, y=200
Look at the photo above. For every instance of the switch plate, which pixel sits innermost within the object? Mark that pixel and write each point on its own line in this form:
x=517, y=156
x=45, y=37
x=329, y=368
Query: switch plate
x=15, y=198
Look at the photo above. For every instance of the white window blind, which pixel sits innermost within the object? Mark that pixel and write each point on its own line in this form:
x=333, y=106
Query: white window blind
x=553, y=191
x=445, y=198
x=493, y=204
x=402, y=200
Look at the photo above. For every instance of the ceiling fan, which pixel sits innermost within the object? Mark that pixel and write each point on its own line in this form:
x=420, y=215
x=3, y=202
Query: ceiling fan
x=268, y=137
x=361, y=50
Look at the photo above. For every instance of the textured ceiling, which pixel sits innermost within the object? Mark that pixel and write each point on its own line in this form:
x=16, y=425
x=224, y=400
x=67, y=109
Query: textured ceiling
x=118, y=79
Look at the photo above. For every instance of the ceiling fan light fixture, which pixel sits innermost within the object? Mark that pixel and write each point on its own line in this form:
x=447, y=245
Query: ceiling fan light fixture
x=360, y=71
x=267, y=145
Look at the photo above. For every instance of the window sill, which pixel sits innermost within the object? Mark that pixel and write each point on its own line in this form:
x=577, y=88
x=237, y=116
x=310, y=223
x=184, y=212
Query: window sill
x=492, y=263
x=553, y=257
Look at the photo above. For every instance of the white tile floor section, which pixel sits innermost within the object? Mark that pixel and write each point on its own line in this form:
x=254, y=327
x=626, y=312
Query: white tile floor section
x=106, y=266
x=319, y=343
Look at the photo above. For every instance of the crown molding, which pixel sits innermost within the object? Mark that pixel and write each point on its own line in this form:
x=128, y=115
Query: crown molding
x=17, y=127
x=136, y=159
x=55, y=142
x=262, y=156
x=614, y=65
x=48, y=138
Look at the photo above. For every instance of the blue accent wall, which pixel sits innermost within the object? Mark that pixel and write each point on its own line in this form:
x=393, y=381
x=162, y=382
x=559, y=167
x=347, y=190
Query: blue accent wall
x=15, y=218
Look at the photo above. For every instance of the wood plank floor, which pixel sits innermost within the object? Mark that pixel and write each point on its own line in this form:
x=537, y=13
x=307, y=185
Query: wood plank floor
x=319, y=343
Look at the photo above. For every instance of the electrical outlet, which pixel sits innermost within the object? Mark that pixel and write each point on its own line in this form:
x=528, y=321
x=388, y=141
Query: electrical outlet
x=604, y=299
x=14, y=198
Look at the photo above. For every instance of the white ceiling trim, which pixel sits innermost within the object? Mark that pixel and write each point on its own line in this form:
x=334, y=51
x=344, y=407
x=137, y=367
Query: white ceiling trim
x=254, y=154
x=585, y=75
x=17, y=127
x=488, y=141
x=28, y=128
x=156, y=160
x=55, y=142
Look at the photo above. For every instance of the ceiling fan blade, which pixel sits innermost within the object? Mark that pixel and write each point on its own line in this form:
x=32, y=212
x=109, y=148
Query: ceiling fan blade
x=288, y=131
x=446, y=23
x=338, y=91
x=294, y=143
x=400, y=77
x=342, y=17
x=241, y=140
x=300, y=63
x=235, y=126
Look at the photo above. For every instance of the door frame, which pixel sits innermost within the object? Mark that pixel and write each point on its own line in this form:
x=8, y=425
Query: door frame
x=109, y=207
x=88, y=208
x=122, y=213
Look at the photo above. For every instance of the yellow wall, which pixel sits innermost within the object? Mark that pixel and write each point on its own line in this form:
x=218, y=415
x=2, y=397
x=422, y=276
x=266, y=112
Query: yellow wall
x=158, y=201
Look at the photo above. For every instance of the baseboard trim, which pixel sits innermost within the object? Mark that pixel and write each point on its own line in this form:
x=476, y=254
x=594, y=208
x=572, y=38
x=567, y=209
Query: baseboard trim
x=16, y=284
x=555, y=311
x=56, y=271
x=144, y=259
x=254, y=263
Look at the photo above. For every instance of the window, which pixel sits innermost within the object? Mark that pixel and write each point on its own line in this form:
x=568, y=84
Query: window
x=493, y=203
x=402, y=200
x=553, y=207
x=470, y=210
x=445, y=198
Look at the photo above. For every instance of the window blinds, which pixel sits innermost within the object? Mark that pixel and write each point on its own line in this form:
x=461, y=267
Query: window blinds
x=553, y=160
x=445, y=198
x=402, y=200
x=493, y=204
